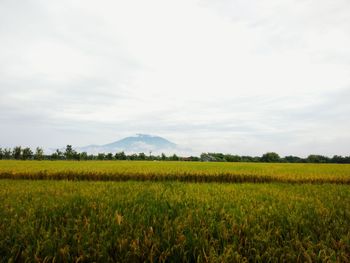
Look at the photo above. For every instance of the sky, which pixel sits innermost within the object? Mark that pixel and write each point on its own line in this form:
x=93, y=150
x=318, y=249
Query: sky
x=239, y=76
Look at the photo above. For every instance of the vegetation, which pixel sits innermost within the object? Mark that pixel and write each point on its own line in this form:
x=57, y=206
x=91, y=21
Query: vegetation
x=177, y=171
x=19, y=153
x=301, y=212
x=65, y=221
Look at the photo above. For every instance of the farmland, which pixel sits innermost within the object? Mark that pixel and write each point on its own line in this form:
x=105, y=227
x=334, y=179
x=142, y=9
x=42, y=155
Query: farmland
x=120, y=211
x=176, y=171
x=173, y=221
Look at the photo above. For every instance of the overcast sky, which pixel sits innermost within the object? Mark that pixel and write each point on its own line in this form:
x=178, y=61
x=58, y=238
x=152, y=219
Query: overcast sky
x=239, y=76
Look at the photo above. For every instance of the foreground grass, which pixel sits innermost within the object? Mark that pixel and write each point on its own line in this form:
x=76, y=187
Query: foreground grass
x=173, y=221
x=176, y=171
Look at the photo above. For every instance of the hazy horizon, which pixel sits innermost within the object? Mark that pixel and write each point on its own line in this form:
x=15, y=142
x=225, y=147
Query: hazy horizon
x=241, y=77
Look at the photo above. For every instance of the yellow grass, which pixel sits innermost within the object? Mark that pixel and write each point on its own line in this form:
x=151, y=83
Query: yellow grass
x=176, y=171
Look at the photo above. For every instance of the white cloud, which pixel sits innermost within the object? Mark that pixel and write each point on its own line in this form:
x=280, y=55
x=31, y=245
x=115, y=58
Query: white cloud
x=234, y=76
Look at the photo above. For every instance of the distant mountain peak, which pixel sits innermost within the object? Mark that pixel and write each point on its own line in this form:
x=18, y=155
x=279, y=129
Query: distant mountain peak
x=135, y=144
x=141, y=135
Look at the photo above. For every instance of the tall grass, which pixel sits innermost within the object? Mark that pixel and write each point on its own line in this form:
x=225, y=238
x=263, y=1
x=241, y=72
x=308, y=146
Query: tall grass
x=66, y=221
x=176, y=171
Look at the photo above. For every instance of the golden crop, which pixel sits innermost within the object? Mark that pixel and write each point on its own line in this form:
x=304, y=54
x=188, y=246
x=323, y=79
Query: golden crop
x=176, y=171
x=65, y=221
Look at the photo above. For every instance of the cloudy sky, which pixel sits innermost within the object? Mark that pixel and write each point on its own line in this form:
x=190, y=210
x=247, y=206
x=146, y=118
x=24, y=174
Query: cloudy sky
x=234, y=76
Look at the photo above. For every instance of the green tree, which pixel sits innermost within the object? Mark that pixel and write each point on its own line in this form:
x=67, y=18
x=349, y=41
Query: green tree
x=233, y=158
x=194, y=159
x=39, y=153
x=120, y=156
x=142, y=156
x=76, y=155
x=7, y=153
x=27, y=154
x=174, y=157
x=17, y=152
x=83, y=156
x=101, y=156
x=270, y=157
x=57, y=155
x=163, y=157
x=133, y=157
x=109, y=156
x=293, y=159
x=314, y=158
x=69, y=153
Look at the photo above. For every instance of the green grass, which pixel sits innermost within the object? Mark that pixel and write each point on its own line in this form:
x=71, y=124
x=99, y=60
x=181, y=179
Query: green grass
x=176, y=171
x=172, y=221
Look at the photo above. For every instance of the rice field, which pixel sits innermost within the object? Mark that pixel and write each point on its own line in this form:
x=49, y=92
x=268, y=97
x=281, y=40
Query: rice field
x=66, y=221
x=176, y=171
x=122, y=211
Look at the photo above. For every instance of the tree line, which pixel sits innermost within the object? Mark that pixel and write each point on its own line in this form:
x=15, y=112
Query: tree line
x=272, y=157
x=19, y=153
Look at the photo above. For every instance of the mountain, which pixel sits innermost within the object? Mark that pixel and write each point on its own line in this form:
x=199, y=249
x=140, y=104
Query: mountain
x=134, y=144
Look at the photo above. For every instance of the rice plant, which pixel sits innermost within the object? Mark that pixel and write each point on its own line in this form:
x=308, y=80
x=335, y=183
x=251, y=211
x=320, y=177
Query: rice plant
x=65, y=221
x=176, y=171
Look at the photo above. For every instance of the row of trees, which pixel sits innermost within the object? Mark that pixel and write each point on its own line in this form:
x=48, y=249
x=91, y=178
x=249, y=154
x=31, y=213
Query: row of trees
x=19, y=153
x=272, y=157
x=71, y=154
